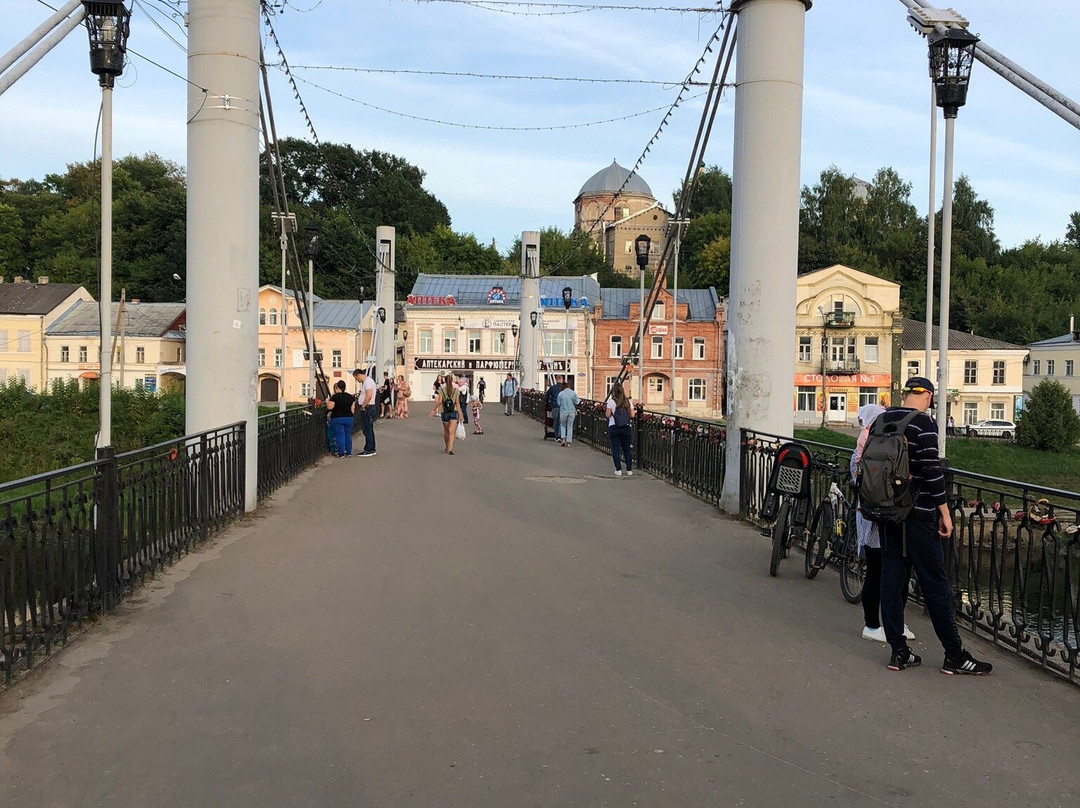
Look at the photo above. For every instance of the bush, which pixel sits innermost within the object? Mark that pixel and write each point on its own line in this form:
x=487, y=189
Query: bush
x=1048, y=420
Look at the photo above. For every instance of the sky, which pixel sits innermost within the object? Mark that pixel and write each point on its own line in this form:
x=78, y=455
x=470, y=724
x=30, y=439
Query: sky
x=866, y=101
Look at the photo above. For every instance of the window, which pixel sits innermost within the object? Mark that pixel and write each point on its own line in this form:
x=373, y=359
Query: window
x=262, y=357
x=24, y=342
x=806, y=400
x=65, y=354
x=1036, y=368
x=24, y=376
x=805, y=349
x=609, y=382
x=868, y=395
x=656, y=385
x=659, y=311
x=425, y=341
x=696, y=390
x=305, y=389
x=1049, y=366
x=474, y=342
x=273, y=317
x=1068, y=368
x=971, y=373
x=179, y=354
x=3, y=346
x=971, y=412
x=498, y=343
x=262, y=316
x=616, y=347
x=335, y=358
x=999, y=372
x=657, y=348
x=119, y=356
x=277, y=357
x=555, y=343
x=871, y=353
x=449, y=341
x=140, y=356
x=82, y=353
x=913, y=369
x=699, y=347
x=680, y=350
x=997, y=410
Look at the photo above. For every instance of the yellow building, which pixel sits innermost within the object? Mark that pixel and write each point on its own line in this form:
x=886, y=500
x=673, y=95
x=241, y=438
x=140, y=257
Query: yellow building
x=847, y=344
x=26, y=311
x=1057, y=358
x=343, y=330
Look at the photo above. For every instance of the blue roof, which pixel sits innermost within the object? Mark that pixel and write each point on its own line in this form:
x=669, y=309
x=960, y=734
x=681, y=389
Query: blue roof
x=1064, y=339
x=339, y=314
x=473, y=290
x=702, y=302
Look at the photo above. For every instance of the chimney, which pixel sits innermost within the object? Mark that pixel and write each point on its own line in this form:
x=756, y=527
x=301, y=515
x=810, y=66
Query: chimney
x=42, y=280
x=18, y=279
x=135, y=301
x=1072, y=328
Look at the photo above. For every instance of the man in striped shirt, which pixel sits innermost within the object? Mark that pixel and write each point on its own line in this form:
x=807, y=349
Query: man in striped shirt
x=916, y=543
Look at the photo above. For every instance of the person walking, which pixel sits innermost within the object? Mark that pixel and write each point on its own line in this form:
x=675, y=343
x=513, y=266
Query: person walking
x=477, y=404
x=869, y=542
x=916, y=543
x=508, y=391
x=386, y=397
x=342, y=405
x=481, y=387
x=620, y=429
x=551, y=398
x=367, y=409
x=404, y=393
x=568, y=401
x=463, y=397
x=448, y=408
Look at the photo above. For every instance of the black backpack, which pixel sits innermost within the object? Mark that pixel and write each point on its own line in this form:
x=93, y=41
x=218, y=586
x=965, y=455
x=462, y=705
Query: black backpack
x=448, y=401
x=621, y=416
x=886, y=488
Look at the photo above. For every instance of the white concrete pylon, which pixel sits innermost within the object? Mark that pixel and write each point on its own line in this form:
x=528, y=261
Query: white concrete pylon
x=386, y=252
x=765, y=225
x=223, y=222
x=530, y=302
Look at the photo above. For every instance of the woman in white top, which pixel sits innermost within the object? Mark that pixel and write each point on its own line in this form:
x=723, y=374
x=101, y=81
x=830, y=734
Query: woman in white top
x=620, y=428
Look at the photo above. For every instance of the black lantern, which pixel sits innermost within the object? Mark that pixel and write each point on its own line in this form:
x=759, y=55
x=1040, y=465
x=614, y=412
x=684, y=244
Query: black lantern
x=404, y=336
x=361, y=296
x=381, y=312
x=514, y=329
x=532, y=318
x=460, y=324
x=641, y=247
x=312, y=232
x=952, y=55
x=108, y=25
x=567, y=297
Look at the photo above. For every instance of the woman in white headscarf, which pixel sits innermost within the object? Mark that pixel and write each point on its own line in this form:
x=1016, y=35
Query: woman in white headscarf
x=870, y=542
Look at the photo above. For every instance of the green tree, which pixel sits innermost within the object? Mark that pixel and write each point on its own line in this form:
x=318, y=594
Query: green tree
x=1048, y=420
x=712, y=193
x=1072, y=231
x=705, y=252
x=973, y=223
x=563, y=254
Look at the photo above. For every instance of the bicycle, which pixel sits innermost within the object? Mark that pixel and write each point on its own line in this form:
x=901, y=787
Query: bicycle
x=832, y=537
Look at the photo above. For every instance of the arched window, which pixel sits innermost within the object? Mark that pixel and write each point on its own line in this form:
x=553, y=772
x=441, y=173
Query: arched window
x=273, y=316
x=262, y=316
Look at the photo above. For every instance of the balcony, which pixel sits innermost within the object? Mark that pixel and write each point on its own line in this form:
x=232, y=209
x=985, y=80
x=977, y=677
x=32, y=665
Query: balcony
x=840, y=319
x=850, y=365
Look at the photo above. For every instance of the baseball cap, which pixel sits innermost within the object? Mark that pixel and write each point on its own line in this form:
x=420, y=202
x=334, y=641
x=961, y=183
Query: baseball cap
x=918, y=384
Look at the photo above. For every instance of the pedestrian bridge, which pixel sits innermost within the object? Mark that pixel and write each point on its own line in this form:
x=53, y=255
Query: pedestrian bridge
x=513, y=626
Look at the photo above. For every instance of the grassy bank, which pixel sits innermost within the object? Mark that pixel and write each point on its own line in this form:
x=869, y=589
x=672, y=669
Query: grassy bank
x=994, y=458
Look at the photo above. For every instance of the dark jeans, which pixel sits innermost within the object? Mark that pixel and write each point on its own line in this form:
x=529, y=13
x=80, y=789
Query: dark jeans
x=926, y=557
x=620, y=443
x=871, y=592
x=367, y=423
x=555, y=422
x=342, y=434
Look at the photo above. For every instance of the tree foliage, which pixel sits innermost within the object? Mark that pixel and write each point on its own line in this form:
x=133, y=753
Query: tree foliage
x=1048, y=420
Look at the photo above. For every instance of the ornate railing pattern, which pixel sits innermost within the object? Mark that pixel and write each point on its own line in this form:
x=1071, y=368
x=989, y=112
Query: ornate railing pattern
x=289, y=442
x=1013, y=558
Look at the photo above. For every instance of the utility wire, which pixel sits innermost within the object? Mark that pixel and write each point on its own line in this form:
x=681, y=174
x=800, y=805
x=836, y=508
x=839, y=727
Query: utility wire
x=571, y=8
x=498, y=76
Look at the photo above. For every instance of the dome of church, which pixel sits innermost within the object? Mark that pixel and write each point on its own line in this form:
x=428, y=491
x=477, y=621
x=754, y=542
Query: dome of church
x=611, y=179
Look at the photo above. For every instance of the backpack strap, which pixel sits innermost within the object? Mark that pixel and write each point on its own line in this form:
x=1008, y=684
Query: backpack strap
x=892, y=427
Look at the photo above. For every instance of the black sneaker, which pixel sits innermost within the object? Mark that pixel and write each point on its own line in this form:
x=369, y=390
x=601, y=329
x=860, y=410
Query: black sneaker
x=904, y=659
x=965, y=664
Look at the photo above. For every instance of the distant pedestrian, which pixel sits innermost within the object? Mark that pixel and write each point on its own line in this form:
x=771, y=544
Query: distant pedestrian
x=568, y=401
x=404, y=393
x=481, y=387
x=463, y=397
x=342, y=406
x=477, y=404
x=551, y=399
x=386, y=397
x=367, y=409
x=448, y=408
x=508, y=391
x=620, y=429
x=950, y=426
x=436, y=386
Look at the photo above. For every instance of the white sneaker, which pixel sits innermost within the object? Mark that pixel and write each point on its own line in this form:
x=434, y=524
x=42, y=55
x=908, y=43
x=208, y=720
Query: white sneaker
x=908, y=633
x=877, y=634
x=629, y=473
x=618, y=472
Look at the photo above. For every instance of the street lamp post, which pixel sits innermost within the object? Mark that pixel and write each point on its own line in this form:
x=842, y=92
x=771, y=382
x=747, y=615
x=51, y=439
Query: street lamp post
x=675, y=309
x=641, y=249
x=312, y=250
x=286, y=224
x=107, y=24
x=567, y=301
x=952, y=55
x=824, y=348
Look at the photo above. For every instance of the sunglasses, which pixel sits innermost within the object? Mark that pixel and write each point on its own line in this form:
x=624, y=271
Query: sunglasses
x=917, y=390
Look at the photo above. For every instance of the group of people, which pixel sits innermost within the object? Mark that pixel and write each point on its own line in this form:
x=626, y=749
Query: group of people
x=563, y=401
x=394, y=395
x=893, y=550
x=342, y=410
x=453, y=402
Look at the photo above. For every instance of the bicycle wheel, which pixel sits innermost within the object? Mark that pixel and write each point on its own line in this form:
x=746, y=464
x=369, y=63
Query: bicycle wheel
x=779, y=536
x=818, y=537
x=852, y=570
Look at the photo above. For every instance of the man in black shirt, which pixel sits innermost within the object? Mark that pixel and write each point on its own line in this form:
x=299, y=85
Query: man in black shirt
x=916, y=544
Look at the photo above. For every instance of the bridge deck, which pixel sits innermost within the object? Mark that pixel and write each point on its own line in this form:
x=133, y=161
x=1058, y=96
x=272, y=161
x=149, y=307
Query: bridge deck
x=507, y=627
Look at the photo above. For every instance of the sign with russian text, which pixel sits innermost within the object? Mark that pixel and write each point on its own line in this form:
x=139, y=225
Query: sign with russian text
x=851, y=379
x=431, y=300
x=496, y=296
x=455, y=363
x=557, y=302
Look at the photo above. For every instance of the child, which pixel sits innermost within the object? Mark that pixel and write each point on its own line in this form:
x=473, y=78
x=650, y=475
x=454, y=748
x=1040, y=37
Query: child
x=477, y=405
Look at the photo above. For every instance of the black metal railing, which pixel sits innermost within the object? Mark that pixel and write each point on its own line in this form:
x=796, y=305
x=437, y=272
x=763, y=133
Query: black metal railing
x=686, y=452
x=290, y=442
x=1013, y=559
x=73, y=542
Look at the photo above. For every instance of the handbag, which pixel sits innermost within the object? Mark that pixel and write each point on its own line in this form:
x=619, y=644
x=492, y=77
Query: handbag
x=460, y=432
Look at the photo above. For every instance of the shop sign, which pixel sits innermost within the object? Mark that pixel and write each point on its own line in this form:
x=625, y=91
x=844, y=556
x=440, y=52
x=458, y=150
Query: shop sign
x=500, y=323
x=554, y=366
x=658, y=330
x=853, y=379
x=556, y=302
x=496, y=296
x=431, y=300
x=455, y=363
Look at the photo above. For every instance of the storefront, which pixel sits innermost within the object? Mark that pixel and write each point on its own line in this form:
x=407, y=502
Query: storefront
x=841, y=396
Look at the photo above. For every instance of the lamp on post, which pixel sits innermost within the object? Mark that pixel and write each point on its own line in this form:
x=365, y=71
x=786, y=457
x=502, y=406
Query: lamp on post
x=641, y=249
x=824, y=349
x=286, y=223
x=312, y=250
x=567, y=301
x=107, y=24
x=532, y=318
x=952, y=55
